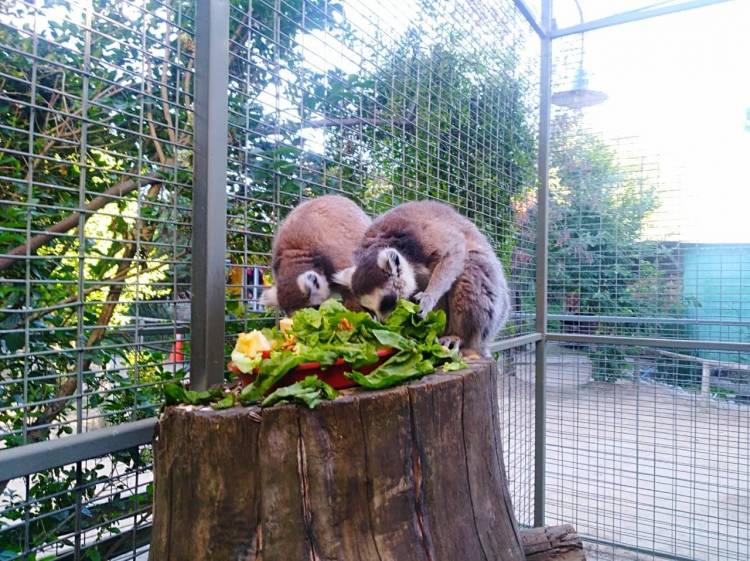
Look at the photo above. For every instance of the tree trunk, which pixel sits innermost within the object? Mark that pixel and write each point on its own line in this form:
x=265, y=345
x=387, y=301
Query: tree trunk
x=558, y=543
x=413, y=473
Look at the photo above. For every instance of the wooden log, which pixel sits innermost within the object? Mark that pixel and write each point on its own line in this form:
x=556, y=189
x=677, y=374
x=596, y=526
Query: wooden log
x=411, y=473
x=552, y=543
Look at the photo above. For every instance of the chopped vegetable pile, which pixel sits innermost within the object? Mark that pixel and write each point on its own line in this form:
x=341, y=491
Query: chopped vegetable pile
x=324, y=335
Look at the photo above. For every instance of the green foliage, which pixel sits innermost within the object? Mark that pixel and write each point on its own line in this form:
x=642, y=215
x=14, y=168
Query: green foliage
x=678, y=372
x=599, y=262
x=609, y=364
x=311, y=391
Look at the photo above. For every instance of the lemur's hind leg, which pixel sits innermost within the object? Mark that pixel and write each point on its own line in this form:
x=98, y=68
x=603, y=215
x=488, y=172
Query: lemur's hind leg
x=478, y=303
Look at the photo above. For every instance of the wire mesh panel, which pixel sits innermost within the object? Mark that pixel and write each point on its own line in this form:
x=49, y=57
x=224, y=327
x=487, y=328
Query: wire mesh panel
x=384, y=103
x=516, y=391
x=97, y=509
x=420, y=100
x=96, y=204
x=648, y=442
x=653, y=463
x=95, y=201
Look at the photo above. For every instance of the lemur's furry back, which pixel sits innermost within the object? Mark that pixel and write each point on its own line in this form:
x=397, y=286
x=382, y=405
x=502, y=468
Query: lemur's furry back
x=425, y=250
x=315, y=240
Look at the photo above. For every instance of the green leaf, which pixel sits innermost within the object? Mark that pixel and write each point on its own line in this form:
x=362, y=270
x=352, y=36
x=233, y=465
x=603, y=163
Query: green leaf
x=453, y=366
x=197, y=398
x=226, y=403
x=310, y=391
x=271, y=371
x=394, y=340
x=401, y=367
x=174, y=394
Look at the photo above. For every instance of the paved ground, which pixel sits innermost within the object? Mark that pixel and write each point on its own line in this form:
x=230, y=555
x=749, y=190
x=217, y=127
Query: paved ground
x=636, y=463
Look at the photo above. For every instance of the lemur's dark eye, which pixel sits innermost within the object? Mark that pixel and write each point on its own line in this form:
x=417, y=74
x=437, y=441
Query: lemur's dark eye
x=388, y=303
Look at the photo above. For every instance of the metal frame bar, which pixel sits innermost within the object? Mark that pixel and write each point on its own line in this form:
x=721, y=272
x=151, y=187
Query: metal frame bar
x=649, y=342
x=33, y=458
x=209, y=198
x=526, y=12
x=545, y=92
x=635, y=15
x=513, y=342
x=645, y=320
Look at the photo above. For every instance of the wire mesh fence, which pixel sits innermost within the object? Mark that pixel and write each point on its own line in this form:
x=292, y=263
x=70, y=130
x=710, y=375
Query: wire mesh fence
x=516, y=386
x=95, y=202
x=646, y=442
x=382, y=104
x=96, y=172
x=651, y=463
x=97, y=509
x=324, y=97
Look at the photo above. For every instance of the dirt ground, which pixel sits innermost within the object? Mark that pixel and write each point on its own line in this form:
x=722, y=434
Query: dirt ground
x=636, y=463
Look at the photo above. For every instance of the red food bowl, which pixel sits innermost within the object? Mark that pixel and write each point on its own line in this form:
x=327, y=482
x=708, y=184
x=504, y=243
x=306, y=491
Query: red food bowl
x=334, y=375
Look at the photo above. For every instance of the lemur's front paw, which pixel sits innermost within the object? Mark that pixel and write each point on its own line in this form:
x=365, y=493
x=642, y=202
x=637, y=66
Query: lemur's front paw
x=451, y=342
x=470, y=355
x=426, y=303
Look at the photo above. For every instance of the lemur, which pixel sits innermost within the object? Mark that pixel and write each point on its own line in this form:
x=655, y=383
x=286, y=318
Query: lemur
x=315, y=240
x=428, y=252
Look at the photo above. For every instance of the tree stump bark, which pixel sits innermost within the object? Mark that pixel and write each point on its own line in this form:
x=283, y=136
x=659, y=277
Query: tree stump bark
x=413, y=473
x=553, y=543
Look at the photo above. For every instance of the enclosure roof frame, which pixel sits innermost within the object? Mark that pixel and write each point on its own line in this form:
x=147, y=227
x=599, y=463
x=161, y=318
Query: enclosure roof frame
x=526, y=12
x=632, y=16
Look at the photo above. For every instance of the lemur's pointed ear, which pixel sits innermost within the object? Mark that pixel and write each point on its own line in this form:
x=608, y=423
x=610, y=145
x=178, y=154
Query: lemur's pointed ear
x=344, y=276
x=390, y=261
x=269, y=297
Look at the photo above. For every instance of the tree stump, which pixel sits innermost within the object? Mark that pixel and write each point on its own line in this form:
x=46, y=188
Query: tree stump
x=413, y=473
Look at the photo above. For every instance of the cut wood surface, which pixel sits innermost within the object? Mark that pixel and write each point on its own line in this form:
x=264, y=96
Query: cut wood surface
x=413, y=473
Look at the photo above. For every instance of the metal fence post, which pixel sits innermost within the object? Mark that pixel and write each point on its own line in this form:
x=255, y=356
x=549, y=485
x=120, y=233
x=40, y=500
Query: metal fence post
x=545, y=86
x=209, y=195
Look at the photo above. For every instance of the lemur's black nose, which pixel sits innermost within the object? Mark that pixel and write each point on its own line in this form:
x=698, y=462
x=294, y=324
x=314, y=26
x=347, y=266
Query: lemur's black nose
x=388, y=303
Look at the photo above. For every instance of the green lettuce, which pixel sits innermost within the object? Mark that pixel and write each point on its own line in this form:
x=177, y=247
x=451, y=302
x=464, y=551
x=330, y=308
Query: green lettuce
x=310, y=391
x=326, y=334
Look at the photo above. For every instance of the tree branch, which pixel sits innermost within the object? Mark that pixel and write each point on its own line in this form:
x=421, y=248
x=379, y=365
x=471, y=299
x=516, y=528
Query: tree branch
x=339, y=122
x=71, y=221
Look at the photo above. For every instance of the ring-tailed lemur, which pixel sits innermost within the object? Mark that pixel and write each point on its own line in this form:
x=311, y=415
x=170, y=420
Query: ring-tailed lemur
x=426, y=251
x=317, y=239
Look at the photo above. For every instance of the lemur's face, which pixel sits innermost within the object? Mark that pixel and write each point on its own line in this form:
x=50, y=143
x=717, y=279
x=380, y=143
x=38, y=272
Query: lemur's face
x=382, y=277
x=307, y=289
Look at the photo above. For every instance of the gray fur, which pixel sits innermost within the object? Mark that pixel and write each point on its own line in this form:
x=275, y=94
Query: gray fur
x=448, y=260
x=319, y=236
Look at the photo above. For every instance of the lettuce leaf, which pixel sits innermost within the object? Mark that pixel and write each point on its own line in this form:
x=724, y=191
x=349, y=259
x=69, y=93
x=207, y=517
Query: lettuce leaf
x=394, y=340
x=245, y=363
x=401, y=367
x=311, y=391
x=277, y=365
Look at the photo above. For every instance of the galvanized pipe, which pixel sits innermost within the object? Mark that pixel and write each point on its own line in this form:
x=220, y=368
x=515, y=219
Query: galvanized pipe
x=542, y=233
x=209, y=196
